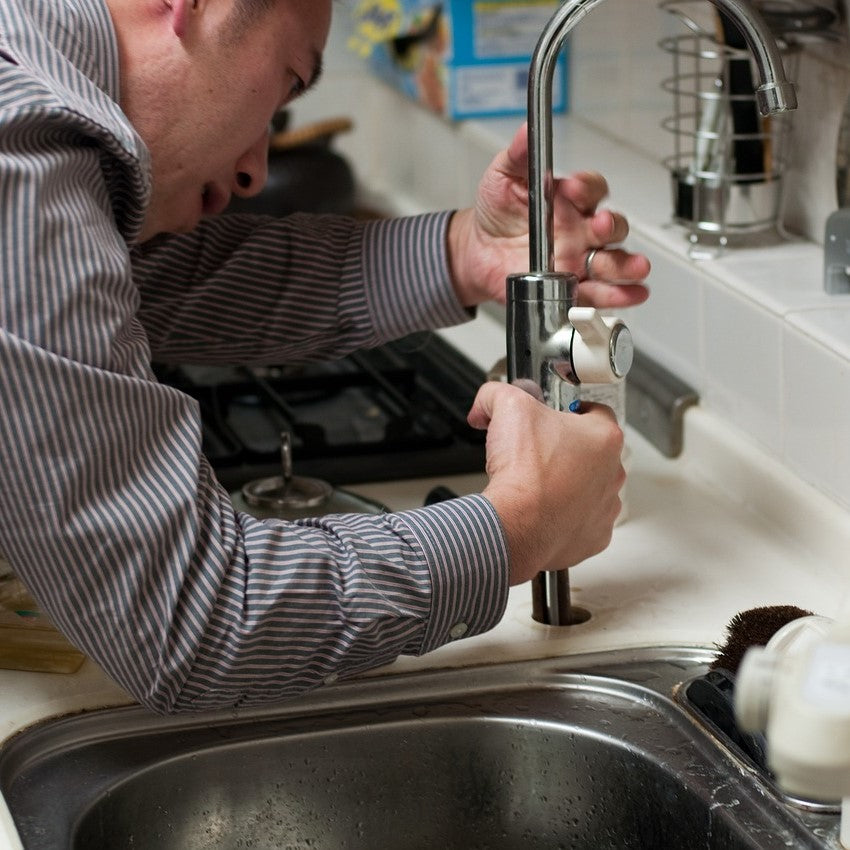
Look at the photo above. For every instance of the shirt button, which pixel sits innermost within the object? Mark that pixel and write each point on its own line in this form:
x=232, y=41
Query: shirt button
x=458, y=631
x=329, y=680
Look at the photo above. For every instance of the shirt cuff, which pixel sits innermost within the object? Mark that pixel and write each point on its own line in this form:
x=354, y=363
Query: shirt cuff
x=405, y=261
x=466, y=552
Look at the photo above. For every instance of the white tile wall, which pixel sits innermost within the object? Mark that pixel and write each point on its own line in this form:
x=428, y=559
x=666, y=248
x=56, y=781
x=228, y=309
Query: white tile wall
x=753, y=331
x=673, y=329
x=817, y=393
x=743, y=364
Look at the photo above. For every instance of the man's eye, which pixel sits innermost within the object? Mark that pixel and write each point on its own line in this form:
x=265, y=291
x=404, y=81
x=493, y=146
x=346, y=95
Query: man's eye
x=298, y=87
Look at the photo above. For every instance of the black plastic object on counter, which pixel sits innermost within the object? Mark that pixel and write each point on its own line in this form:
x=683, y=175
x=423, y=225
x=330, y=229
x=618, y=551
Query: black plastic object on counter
x=748, y=150
x=438, y=494
x=799, y=19
x=712, y=697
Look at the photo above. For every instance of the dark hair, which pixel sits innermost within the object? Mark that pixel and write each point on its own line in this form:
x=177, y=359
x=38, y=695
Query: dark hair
x=247, y=9
x=245, y=13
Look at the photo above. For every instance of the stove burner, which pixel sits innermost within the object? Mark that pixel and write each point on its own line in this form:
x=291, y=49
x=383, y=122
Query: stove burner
x=393, y=412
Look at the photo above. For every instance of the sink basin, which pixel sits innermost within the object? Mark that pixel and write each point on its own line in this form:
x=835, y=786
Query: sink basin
x=583, y=752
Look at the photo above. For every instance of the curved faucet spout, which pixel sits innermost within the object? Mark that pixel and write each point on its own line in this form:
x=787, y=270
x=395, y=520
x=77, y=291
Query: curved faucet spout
x=775, y=94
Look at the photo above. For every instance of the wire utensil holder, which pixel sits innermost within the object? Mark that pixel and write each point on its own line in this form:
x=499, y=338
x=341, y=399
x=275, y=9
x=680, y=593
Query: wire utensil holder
x=727, y=164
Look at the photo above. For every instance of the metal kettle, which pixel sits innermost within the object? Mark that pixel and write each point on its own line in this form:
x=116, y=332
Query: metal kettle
x=288, y=496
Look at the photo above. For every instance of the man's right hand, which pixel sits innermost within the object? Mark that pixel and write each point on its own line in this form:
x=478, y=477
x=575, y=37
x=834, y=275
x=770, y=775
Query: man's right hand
x=554, y=477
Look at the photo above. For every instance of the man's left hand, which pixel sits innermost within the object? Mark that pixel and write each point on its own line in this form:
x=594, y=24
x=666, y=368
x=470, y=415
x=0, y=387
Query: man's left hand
x=489, y=241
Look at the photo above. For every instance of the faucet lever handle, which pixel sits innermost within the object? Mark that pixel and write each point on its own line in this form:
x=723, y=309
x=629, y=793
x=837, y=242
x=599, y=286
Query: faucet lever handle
x=602, y=347
x=590, y=324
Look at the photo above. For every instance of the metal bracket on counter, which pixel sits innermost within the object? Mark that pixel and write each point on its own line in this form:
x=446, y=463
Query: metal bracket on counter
x=656, y=401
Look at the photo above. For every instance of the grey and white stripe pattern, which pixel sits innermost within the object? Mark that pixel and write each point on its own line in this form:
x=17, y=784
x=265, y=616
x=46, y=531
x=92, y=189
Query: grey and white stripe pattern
x=296, y=282
x=108, y=509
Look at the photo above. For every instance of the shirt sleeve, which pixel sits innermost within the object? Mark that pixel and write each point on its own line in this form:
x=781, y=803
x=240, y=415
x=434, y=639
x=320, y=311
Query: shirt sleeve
x=263, y=289
x=109, y=511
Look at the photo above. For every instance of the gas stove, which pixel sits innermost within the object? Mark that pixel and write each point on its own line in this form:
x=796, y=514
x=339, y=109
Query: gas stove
x=393, y=412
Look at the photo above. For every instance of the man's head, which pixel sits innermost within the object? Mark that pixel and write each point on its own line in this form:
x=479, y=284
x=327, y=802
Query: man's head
x=200, y=80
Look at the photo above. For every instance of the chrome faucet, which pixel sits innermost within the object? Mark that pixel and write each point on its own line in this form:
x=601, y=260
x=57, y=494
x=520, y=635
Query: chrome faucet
x=553, y=346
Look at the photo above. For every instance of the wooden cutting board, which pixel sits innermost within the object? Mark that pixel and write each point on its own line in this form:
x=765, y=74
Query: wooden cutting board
x=28, y=638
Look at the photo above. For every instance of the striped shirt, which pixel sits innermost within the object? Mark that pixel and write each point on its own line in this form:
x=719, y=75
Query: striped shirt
x=109, y=511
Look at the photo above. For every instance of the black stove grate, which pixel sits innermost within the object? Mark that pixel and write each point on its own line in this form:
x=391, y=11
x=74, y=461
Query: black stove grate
x=393, y=412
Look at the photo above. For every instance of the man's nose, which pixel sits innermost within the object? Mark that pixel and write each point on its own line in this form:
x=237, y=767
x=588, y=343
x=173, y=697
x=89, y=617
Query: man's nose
x=252, y=169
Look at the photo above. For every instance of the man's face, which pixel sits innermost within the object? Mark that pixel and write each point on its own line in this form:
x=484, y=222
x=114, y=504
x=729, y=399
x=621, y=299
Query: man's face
x=203, y=105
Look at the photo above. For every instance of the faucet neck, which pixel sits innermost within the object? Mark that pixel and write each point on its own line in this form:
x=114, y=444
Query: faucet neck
x=540, y=174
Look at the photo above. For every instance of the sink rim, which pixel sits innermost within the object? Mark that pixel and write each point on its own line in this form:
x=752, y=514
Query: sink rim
x=649, y=673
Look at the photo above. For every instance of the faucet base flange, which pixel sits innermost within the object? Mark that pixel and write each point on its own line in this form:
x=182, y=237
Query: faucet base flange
x=550, y=600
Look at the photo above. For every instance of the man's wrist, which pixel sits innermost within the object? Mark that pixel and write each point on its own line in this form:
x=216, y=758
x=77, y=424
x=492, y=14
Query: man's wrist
x=457, y=239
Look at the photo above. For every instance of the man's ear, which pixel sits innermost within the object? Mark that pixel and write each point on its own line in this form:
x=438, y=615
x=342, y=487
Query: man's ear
x=180, y=13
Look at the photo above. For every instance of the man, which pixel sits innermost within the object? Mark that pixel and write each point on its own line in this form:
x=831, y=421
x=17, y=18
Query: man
x=125, y=125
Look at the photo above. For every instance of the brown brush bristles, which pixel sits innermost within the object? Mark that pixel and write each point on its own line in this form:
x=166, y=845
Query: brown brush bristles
x=753, y=628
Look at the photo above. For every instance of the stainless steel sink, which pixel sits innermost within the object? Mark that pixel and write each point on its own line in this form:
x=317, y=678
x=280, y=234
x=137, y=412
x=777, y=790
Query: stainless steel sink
x=583, y=752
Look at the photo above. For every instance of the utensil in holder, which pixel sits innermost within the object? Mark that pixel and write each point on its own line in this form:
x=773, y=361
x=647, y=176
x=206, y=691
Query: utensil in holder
x=728, y=161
